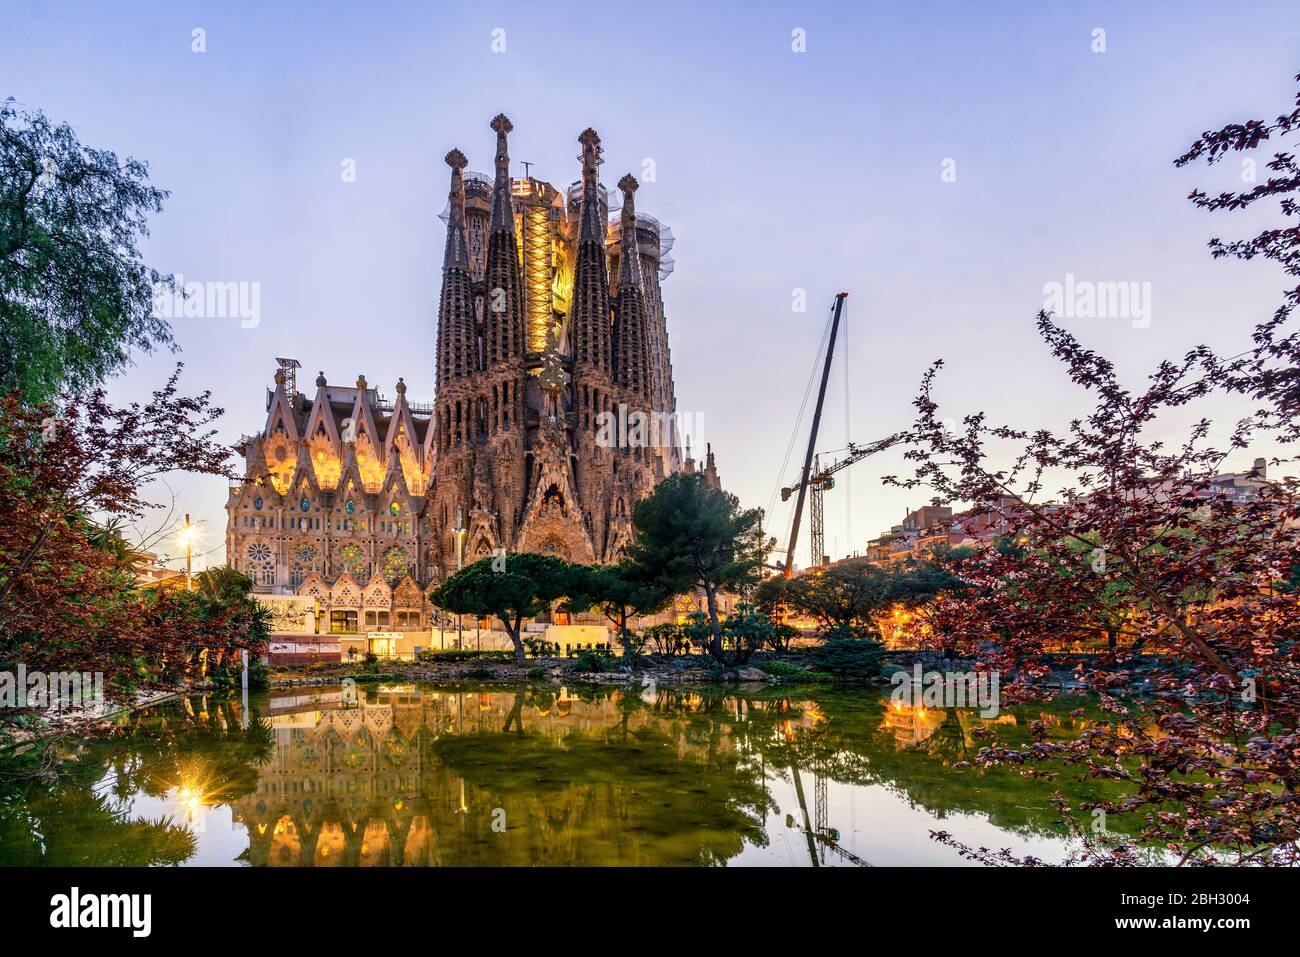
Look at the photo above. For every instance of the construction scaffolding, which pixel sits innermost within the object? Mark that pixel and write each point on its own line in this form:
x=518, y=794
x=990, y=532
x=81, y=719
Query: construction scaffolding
x=537, y=216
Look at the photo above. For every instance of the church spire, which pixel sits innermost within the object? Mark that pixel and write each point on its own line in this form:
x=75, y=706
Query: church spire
x=591, y=313
x=631, y=356
x=629, y=268
x=592, y=223
x=504, y=305
x=503, y=216
x=455, y=347
x=457, y=252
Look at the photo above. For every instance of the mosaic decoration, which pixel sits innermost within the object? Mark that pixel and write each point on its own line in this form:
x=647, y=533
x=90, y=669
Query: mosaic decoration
x=353, y=559
x=396, y=563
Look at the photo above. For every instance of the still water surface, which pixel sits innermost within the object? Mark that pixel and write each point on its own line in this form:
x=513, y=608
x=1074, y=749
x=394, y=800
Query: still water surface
x=462, y=775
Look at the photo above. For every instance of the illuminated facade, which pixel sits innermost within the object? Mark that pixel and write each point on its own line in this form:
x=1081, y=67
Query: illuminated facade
x=550, y=314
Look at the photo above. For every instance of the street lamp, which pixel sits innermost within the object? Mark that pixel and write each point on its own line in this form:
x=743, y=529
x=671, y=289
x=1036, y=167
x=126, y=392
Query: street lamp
x=187, y=538
x=459, y=532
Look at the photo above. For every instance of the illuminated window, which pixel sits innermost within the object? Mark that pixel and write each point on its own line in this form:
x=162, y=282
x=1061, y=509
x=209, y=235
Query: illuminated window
x=343, y=622
x=305, y=505
x=395, y=509
x=350, y=508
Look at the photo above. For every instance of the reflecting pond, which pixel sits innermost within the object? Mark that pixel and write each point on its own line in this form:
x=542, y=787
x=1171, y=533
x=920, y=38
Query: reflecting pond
x=469, y=775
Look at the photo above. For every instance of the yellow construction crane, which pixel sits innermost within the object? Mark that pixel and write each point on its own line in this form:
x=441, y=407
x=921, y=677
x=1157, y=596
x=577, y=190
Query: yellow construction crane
x=821, y=481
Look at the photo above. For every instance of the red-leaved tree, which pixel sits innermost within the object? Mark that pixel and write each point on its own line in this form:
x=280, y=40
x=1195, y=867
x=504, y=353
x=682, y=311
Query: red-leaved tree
x=1115, y=534
x=68, y=600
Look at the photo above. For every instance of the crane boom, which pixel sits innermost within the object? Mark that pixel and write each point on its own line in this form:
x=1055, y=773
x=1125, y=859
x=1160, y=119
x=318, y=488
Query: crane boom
x=822, y=479
x=856, y=454
x=812, y=435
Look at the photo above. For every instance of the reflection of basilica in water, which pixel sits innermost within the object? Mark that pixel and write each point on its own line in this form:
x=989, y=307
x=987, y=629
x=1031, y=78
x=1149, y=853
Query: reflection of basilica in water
x=406, y=777
x=535, y=775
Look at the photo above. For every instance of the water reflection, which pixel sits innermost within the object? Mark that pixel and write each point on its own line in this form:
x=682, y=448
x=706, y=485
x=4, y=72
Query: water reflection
x=419, y=776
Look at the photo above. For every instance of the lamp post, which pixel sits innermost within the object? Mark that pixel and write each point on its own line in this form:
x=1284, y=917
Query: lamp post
x=187, y=540
x=460, y=533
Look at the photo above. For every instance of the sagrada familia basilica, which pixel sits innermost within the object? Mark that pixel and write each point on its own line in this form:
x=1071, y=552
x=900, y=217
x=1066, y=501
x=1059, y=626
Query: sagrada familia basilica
x=550, y=327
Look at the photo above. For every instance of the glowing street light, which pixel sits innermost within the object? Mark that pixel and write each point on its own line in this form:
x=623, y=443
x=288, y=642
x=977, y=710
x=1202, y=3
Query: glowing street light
x=460, y=532
x=188, y=537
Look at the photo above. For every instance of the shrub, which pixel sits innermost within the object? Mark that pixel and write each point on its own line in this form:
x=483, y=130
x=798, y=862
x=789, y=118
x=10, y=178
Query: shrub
x=230, y=674
x=634, y=642
x=539, y=647
x=433, y=655
x=783, y=669
x=667, y=639
x=591, y=662
x=844, y=654
x=782, y=637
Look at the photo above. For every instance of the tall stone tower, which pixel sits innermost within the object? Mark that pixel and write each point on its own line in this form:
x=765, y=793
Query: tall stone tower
x=554, y=410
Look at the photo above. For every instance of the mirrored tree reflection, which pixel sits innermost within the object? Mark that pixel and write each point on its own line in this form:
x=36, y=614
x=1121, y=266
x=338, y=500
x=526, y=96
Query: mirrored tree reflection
x=463, y=775
x=69, y=803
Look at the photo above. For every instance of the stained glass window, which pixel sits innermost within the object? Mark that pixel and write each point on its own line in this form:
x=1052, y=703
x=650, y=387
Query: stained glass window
x=305, y=505
x=395, y=509
x=396, y=564
x=353, y=559
x=257, y=502
x=350, y=507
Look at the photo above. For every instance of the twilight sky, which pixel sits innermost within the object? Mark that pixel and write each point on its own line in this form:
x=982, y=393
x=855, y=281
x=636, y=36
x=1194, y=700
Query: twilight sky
x=777, y=170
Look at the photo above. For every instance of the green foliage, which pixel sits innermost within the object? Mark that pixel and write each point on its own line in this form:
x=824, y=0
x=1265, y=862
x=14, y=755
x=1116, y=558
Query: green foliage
x=634, y=644
x=529, y=584
x=852, y=592
x=782, y=637
x=230, y=673
x=772, y=593
x=435, y=655
x=538, y=647
x=75, y=296
x=747, y=631
x=698, y=630
x=536, y=674
x=592, y=662
x=846, y=655
x=690, y=535
x=620, y=592
x=666, y=639
x=783, y=669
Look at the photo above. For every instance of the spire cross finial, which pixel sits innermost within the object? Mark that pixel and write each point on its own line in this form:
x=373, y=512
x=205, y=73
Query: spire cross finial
x=503, y=218
x=502, y=125
x=628, y=184
x=457, y=253
x=629, y=272
x=590, y=141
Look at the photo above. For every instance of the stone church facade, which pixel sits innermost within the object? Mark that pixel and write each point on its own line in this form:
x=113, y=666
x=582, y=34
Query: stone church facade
x=551, y=328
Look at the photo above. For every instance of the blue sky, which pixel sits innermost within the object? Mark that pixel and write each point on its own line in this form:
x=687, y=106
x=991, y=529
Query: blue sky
x=777, y=171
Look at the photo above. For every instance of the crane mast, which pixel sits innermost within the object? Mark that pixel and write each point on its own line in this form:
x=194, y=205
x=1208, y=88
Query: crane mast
x=812, y=436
